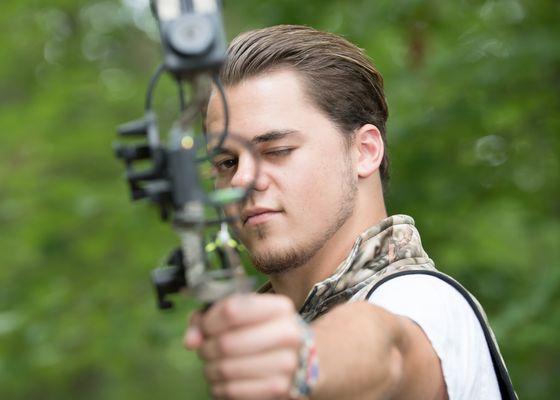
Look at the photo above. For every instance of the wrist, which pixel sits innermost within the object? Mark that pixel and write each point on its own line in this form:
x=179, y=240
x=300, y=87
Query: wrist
x=307, y=372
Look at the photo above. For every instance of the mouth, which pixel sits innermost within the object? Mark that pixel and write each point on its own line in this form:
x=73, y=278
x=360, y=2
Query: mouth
x=258, y=216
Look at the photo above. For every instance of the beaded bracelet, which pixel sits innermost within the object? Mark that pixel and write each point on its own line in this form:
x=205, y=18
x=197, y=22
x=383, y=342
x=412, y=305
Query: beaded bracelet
x=307, y=373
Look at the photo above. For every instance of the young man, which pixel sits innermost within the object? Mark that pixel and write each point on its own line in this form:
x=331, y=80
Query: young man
x=312, y=104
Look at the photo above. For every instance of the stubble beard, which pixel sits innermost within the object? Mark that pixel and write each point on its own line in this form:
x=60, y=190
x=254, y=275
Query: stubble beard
x=284, y=260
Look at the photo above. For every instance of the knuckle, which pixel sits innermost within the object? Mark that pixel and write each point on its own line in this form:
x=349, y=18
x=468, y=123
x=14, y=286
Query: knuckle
x=223, y=371
x=289, y=362
x=286, y=304
x=292, y=335
x=228, y=391
x=279, y=386
x=229, y=311
x=218, y=391
x=194, y=318
x=216, y=372
x=223, y=346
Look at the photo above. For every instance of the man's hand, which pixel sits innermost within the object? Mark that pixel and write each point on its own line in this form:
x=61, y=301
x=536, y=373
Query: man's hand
x=249, y=344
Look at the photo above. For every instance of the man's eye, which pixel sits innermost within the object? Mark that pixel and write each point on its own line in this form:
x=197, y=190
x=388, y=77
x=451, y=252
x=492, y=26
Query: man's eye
x=225, y=165
x=279, y=152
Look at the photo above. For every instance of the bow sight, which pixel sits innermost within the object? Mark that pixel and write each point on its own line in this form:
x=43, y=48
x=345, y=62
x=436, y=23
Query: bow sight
x=194, y=45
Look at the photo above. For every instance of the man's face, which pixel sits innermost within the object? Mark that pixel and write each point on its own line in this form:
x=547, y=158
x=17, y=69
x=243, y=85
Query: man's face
x=306, y=188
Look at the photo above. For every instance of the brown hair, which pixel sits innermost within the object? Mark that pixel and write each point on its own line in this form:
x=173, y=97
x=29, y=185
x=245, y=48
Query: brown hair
x=339, y=77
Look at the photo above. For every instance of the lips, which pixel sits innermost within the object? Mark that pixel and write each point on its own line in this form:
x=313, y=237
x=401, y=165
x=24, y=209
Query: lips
x=257, y=215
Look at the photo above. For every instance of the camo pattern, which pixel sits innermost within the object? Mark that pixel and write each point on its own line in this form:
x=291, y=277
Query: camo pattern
x=392, y=245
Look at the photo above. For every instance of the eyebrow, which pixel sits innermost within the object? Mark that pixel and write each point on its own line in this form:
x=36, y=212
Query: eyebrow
x=269, y=136
x=273, y=135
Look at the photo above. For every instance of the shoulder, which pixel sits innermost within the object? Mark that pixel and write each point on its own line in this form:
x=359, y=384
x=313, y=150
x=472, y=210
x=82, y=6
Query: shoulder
x=452, y=328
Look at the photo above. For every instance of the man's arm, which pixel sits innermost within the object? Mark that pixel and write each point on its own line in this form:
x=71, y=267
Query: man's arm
x=366, y=352
x=250, y=346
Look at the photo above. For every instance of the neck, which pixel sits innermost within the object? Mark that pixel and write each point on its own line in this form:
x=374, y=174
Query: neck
x=298, y=282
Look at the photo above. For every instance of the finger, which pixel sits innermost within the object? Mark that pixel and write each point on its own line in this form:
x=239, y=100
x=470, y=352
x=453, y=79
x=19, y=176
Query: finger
x=194, y=338
x=240, y=310
x=277, y=362
x=275, y=334
x=274, y=387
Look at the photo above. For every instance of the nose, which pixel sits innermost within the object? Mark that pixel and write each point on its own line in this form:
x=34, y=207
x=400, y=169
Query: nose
x=247, y=171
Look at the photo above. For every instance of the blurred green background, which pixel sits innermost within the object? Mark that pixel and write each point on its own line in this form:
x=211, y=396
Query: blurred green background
x=475, y=150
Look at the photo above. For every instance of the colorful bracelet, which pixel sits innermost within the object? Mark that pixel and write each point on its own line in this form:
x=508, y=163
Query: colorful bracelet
x=307, y=373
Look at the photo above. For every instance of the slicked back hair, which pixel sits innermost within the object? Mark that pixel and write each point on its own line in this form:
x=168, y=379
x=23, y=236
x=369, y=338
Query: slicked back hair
x=337, y=75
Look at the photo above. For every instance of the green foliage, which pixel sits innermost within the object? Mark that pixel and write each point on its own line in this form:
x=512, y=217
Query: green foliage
x=473, y=93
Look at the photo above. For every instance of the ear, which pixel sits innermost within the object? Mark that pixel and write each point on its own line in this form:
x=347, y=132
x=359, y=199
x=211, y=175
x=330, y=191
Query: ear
x=370, y=149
